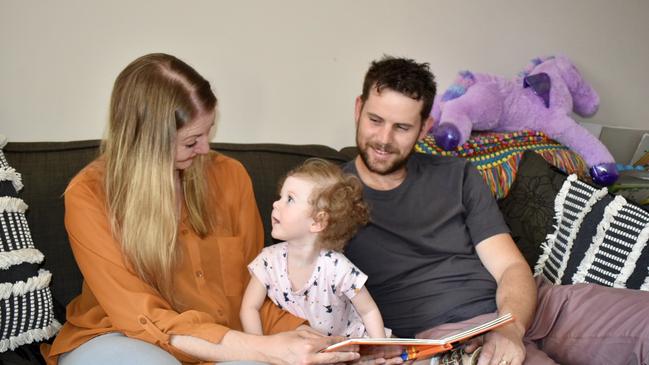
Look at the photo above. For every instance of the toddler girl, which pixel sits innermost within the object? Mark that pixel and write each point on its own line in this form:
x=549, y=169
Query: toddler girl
x=318, y=211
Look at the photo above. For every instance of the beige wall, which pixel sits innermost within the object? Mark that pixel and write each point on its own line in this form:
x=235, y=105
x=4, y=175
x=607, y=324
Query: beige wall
x=288, y=71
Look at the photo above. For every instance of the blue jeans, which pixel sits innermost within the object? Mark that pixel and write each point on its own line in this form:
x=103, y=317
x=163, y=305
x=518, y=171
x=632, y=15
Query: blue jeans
x=115, y=348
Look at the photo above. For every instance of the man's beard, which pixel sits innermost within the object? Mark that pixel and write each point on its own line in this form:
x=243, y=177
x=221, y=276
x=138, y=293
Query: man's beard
x=395, y=165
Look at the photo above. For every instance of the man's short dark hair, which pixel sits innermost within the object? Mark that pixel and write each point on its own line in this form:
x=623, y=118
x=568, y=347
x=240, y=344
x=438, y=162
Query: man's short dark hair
x=404, y=76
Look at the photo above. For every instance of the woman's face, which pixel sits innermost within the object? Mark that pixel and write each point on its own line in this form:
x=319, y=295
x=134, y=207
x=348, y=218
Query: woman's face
x=193, y=139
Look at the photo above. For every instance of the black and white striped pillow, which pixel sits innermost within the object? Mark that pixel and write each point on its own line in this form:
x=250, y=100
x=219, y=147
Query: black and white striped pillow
x=26, y=308
x=598, y=238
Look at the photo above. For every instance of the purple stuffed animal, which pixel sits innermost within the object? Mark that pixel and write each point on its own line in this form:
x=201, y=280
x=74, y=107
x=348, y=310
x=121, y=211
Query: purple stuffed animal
x=540, y=99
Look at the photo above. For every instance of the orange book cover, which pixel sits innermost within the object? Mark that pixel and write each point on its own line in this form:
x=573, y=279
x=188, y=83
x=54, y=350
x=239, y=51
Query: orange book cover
x=413, y=348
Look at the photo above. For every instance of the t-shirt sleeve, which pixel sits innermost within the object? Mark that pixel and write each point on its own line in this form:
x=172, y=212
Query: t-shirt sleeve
x=259, y=267
x=483, y=218
x=349, y=279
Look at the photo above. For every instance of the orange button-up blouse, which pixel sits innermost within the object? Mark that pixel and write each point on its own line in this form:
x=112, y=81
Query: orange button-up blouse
x=208, y=283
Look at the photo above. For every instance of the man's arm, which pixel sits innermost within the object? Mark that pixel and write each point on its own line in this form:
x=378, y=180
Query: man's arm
x=516, y=294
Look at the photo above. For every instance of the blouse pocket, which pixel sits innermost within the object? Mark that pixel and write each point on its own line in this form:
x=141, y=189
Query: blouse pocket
x=233, y=267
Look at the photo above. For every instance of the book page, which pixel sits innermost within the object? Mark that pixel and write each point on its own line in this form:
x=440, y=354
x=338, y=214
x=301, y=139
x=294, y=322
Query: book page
x=474, y=331
x=442, y=343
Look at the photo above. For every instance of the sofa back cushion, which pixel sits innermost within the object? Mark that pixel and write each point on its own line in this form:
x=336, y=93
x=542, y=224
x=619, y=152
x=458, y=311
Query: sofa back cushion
x=528, y=208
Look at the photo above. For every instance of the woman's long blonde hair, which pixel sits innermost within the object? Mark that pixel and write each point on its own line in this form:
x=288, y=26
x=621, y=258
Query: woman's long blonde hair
x=152, y=98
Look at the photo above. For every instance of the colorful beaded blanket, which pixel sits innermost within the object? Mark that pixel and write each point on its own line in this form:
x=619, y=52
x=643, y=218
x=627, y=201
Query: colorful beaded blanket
x=496, y=155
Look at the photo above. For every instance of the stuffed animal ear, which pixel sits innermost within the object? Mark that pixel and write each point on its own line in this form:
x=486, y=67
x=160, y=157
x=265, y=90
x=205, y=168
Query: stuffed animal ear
x=540, y=84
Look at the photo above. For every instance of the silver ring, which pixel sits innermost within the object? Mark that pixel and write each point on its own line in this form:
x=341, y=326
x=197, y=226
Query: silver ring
x=503, y=362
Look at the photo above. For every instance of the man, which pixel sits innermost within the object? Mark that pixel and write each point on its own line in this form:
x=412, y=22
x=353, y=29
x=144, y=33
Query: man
x=437, y=251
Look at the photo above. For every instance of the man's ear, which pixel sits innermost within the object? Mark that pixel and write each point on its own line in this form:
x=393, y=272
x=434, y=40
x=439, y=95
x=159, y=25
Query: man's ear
x=358, y=107
x=319, y=222
x=428, y=124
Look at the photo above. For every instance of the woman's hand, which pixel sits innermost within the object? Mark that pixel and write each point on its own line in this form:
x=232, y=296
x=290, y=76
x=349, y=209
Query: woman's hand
x=305, y=327
x=303, y=346
x=384, y=355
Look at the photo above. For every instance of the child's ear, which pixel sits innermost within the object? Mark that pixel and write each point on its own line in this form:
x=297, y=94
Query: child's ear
x=319, y=222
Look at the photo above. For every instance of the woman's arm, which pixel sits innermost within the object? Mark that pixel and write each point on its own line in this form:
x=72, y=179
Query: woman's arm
x=253, y=299
x=293, y=347
x=369, y=312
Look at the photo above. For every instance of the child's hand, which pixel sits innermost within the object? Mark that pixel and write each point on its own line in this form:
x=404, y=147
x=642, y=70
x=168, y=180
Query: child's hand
x=304, y=346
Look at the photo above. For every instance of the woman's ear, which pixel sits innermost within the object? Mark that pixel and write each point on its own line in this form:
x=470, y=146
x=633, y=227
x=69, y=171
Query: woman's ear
x=320, y=221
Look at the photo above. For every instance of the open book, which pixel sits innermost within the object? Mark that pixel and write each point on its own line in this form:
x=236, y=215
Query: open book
x=412, y=348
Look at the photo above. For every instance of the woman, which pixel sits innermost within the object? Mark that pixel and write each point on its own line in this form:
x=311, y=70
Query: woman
x=162, y=231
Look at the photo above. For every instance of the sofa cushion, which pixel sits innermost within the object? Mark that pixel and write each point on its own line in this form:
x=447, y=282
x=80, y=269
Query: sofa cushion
x=599, y=238
x=528, y=207
x=47, y=168
x=26, y=308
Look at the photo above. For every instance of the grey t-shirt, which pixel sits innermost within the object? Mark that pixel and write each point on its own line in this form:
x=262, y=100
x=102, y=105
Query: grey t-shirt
x=419, y=248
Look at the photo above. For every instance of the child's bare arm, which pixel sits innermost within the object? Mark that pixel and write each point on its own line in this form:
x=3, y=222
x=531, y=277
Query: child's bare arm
x=369, y=312
x=253, y=299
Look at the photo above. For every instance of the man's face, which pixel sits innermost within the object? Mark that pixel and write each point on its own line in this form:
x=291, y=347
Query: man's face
x=388, y=125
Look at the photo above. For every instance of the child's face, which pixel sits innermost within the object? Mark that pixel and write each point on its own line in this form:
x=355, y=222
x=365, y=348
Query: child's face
x=292, y=213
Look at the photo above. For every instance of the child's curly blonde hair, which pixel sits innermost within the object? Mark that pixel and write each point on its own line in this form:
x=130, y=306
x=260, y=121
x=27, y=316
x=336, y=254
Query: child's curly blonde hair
x=337, y=199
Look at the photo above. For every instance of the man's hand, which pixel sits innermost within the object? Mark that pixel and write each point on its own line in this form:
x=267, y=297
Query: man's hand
x=503, y=346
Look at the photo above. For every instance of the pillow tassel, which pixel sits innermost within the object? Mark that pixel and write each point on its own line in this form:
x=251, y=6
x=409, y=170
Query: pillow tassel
x=23, y=287
x=12, y=205
x=10, y=174
x=30, y=255
x=33, y=335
